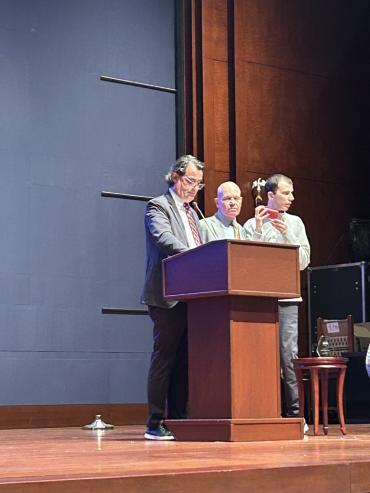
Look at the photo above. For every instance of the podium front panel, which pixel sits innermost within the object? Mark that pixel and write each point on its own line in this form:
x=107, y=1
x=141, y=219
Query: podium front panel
x=197, y=272
x=255, y=371
x=234, y=366
x=233, y=267
x=264, y=269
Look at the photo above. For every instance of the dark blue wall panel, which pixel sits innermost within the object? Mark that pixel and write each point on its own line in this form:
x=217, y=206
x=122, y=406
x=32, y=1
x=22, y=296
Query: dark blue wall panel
x=65, y=135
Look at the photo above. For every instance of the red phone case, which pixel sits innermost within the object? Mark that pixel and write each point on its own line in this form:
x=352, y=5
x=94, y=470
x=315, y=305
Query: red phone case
x=273, y=213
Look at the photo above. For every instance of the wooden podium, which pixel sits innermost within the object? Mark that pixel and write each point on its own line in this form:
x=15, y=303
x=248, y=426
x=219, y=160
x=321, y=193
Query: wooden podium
x=232, y=287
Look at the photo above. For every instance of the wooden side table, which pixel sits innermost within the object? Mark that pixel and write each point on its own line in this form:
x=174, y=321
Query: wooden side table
x=319, y=368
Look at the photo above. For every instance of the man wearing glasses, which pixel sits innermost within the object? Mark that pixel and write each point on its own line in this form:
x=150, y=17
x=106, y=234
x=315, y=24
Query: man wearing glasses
x=171, y=227
x=223, y=224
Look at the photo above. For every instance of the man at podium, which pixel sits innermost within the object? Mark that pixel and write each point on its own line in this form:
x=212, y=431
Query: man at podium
x=171, y=227
x=273, y=224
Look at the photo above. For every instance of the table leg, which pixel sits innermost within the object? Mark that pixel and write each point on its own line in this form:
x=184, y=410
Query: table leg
x=315, y=393
x=299, y=375
x=324, y=399
x=340, y=385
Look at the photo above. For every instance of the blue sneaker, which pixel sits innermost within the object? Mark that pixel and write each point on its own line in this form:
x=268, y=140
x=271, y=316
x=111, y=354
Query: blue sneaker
x=161, y=432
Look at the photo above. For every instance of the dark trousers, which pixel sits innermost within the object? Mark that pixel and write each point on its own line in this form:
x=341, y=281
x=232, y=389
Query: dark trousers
x=288, y=320
x=168, y=373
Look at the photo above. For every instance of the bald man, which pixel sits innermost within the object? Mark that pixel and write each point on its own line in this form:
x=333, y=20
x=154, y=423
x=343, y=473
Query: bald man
x=223, y=224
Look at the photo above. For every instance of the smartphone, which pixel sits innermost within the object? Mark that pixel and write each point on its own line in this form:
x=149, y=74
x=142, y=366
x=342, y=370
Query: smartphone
x=272, y=213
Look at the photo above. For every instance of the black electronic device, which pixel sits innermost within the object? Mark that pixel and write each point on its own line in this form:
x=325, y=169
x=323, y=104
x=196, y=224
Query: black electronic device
x=335, y=291
x=359, y=230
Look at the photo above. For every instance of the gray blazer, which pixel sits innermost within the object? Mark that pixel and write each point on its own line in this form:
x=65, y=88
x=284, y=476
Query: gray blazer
x=215, y=229
x=165, y=236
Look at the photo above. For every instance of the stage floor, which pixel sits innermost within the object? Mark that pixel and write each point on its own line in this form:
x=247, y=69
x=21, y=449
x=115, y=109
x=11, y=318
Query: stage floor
x=73, y=460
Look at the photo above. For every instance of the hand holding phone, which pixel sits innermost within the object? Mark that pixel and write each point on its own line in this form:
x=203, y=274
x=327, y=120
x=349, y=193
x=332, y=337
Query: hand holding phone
x=272, y=213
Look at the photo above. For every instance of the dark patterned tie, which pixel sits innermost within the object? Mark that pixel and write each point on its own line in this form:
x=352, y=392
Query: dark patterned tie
x=192, y=224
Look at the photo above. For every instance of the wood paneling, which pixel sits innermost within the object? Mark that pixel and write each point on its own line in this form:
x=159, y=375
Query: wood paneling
x=215, y=86
x=326, y=210
x=216, y=115
x=288, y=121
x=196, y=79
x=313, y=37
x=214, y=29
x=54, y=416
x=249, y=370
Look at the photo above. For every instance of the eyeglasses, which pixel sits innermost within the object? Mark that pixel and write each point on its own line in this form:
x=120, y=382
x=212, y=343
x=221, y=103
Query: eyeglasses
x=192, y=183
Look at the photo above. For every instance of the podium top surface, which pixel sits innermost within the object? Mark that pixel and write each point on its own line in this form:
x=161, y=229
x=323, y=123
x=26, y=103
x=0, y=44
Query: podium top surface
x=233, y=267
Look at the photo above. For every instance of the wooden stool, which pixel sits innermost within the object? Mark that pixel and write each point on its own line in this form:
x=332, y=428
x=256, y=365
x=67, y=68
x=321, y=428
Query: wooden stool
x=316, y=367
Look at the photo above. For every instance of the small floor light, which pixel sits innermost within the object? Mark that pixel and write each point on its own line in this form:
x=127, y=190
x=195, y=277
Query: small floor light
x=98, y=424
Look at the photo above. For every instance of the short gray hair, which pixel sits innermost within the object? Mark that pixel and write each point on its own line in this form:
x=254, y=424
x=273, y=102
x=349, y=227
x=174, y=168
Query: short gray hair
x=180, y=167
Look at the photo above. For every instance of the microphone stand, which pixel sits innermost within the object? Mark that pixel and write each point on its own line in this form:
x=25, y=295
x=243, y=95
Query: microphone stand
x=196, y=207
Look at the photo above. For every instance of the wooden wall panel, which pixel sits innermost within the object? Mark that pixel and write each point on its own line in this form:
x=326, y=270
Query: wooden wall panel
x=216, y=115
x=62, y=415
x=289, y=121
x=215, y=86
x=313, y=37
x=326, y=210
x=214, y=29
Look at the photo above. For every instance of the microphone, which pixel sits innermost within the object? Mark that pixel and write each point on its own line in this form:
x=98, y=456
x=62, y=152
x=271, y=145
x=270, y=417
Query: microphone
x=196, y=207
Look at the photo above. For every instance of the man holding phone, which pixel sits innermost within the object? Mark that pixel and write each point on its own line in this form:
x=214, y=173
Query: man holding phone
x=273, y=224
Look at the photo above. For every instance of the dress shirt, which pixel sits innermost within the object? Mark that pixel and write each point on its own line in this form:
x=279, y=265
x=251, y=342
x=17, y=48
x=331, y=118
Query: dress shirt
x=228, y=226
x=180, y=207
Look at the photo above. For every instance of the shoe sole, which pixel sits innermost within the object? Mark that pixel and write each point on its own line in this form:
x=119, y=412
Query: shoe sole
x=148, y=436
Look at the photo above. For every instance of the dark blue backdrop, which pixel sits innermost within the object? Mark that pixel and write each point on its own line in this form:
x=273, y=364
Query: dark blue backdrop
x=65, y=135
